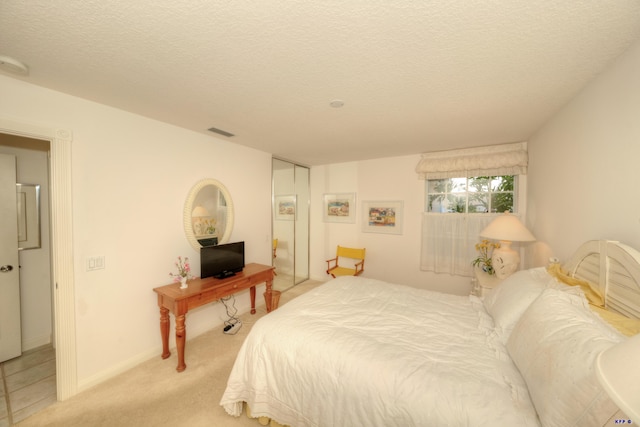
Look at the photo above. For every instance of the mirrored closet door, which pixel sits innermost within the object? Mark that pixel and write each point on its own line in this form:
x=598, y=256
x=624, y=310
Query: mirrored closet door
x=290, y=223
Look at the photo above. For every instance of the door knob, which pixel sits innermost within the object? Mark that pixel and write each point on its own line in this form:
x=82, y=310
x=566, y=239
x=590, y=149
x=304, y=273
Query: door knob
x=6, y=268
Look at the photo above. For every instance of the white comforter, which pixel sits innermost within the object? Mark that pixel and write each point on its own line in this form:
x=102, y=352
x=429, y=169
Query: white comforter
x=360, y=352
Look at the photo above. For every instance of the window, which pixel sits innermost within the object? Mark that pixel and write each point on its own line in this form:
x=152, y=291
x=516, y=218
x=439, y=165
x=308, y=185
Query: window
x=448, y=241
x=480, y=194
x=464, y=191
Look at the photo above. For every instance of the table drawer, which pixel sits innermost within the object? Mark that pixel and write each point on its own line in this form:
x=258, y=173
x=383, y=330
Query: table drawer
x=234, y=286
x=217, y=292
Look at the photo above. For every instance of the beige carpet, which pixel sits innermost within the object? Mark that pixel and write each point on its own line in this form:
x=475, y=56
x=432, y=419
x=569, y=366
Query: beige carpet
x=154, y=394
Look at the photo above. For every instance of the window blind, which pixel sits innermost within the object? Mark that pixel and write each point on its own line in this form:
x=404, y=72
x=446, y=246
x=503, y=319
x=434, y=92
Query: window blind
x=503, y=159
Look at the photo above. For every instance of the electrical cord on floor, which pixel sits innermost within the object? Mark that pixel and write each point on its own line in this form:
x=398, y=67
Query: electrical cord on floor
x=232, y=324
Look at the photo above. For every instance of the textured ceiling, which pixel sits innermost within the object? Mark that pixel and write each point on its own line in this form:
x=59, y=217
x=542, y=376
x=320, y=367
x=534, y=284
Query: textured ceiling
x=414, y=76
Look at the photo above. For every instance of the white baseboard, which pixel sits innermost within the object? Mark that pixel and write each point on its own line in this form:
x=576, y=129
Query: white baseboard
x=194, y=331
x=117, y=369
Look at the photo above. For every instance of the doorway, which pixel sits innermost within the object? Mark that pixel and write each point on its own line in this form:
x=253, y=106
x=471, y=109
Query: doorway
x=290, y=223
x=61, y=245
x=31, y=157
x=30, y=370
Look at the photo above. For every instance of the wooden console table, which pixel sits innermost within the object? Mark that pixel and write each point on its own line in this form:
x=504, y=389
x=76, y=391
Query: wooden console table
x=203, y=291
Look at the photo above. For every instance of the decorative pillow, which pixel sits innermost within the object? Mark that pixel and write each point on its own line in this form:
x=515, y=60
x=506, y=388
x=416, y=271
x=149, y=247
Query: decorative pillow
x=590, y=290
x=507, y=301
x=554, y=345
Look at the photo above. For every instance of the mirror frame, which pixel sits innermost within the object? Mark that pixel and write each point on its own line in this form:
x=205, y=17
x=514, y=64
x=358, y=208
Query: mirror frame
x=188, y=209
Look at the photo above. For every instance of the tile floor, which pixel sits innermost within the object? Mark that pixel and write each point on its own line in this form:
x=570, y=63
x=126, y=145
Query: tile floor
x=28, y=384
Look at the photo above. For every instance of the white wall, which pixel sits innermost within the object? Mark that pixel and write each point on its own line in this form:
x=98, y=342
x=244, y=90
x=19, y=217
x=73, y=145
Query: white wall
x=584, y=169
x=131, y=176
x=585, y=166
x=393, y=258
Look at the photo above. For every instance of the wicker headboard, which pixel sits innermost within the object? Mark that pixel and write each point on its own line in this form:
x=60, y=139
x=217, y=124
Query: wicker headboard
x=615, y=269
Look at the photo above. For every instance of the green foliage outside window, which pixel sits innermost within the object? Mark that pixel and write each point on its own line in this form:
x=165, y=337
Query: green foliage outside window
x=480, y=194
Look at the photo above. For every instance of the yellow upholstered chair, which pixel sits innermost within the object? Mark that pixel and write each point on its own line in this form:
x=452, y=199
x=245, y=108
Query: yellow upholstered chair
x=357, y=259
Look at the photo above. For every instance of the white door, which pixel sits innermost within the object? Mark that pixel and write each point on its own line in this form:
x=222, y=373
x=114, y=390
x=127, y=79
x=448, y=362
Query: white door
x=10, y=335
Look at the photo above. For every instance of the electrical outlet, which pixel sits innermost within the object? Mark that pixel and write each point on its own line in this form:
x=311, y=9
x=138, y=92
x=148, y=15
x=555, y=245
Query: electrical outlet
x=233, y=329
x=95, y=263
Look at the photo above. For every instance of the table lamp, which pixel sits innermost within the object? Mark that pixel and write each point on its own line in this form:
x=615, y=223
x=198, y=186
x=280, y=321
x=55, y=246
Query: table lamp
x=618, y=373
x=198, y=213
x=506, y=228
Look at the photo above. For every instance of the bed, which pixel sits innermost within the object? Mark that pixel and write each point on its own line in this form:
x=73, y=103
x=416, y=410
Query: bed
x=357, y=351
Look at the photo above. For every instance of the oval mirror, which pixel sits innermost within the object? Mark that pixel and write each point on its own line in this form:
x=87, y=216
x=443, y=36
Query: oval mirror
x=208, y=214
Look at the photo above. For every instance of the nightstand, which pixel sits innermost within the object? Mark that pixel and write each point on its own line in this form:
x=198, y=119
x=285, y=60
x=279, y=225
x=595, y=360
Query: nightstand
x=482, y=282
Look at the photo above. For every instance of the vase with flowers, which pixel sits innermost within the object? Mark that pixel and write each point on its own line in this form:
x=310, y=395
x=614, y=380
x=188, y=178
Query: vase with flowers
x=483, y=261
x=184, y=272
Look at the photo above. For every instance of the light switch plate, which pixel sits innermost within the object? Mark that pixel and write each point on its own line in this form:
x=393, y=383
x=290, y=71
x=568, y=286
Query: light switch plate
x=95, y=263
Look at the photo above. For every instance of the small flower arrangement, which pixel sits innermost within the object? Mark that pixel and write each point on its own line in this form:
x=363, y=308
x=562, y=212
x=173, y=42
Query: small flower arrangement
x=184, y=270
x=209, y=226
x=485, y=248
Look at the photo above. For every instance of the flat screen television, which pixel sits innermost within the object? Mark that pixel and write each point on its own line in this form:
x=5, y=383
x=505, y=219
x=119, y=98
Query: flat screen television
x=221, y=261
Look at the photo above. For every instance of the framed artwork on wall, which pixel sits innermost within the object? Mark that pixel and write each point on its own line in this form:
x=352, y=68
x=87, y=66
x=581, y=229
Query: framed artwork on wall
x=285, y=208
x=339, y=207
x=382, y=217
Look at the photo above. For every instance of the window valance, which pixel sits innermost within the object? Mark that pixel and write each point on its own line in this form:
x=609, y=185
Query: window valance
x=504, y=159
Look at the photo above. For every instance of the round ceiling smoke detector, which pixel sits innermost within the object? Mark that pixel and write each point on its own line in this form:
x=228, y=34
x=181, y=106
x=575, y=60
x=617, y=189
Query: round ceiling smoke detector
x=337, y=103
x=13, y=66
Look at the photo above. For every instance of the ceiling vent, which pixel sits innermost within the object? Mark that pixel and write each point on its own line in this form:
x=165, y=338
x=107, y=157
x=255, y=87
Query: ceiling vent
x=220, y=132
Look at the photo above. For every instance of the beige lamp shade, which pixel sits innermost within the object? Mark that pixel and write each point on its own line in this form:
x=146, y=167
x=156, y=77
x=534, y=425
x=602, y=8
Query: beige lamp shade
x=618, y=373
x=506, y=228
x=199, y=212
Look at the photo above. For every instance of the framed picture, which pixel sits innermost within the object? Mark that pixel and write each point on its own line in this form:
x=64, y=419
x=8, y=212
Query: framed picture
x=285, y=208
x=339, y=207
x=382, y=217
x=28, y=204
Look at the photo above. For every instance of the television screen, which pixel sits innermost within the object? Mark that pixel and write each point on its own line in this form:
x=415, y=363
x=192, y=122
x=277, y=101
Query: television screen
x=221, y=261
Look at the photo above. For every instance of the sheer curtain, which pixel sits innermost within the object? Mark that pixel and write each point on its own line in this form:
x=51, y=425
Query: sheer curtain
x=449, y=239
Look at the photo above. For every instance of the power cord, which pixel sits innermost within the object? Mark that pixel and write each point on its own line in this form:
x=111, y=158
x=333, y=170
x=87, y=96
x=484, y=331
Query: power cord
x=233, y=324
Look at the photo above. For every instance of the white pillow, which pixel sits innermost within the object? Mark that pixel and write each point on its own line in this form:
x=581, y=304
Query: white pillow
x=554, y=345
x=507, y=301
